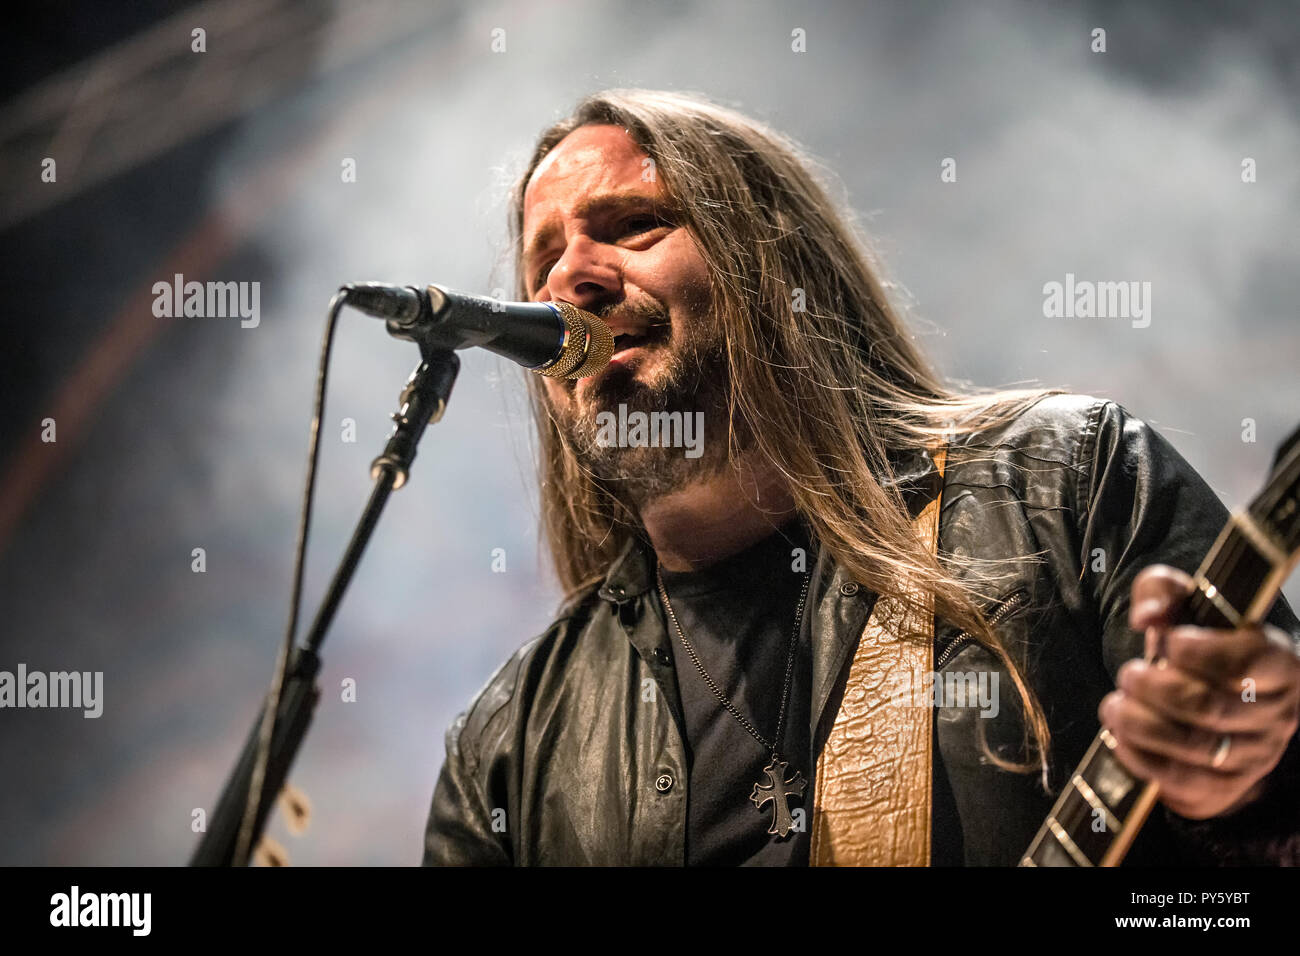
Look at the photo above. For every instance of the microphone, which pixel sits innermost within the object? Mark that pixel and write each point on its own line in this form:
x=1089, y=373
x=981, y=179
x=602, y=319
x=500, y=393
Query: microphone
x=554, y=339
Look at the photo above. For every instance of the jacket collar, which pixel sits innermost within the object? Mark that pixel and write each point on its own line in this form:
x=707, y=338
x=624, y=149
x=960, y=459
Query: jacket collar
x=838, y=607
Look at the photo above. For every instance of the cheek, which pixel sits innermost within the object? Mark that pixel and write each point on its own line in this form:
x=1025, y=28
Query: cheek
x=685, y=256
x=675, y=273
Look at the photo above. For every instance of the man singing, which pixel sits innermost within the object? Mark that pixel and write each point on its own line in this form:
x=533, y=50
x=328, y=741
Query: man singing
x=753, y=661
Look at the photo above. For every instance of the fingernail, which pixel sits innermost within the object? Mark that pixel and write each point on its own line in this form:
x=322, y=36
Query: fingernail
x=1148, y=609
x=1126, y=678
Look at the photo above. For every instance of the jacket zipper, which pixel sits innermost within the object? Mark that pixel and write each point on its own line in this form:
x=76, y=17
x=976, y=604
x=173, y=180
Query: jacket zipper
x=1005, y=608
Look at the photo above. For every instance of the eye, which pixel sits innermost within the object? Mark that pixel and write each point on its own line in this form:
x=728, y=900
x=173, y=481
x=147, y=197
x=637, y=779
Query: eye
x=543, y=274
x=631, y=226
x=643, y=222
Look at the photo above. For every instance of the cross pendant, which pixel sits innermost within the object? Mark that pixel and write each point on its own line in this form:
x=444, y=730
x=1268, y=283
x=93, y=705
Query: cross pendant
x=777, y=792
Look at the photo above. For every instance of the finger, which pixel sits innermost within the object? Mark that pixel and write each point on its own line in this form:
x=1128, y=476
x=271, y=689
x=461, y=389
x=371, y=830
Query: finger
x=1132, y=722
x=1182, y=787
x=1226, y=657
x=1157, y=595
x=1190, y=791
x=1153, y=646
x=1186, y=698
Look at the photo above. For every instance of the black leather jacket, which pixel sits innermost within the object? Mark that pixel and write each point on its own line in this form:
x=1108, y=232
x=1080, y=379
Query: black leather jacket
x=562, y=759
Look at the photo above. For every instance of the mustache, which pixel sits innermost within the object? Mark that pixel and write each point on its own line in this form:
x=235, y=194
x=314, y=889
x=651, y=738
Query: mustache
x=646, y=314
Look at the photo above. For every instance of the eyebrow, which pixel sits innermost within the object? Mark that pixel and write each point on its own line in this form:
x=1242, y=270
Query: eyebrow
x=601, y=203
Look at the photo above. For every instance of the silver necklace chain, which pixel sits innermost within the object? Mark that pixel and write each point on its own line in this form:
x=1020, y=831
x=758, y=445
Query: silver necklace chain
x=717, y=692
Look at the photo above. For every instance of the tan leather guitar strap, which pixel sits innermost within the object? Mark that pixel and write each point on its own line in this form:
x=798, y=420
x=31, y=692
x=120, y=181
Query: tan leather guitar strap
x=872, y=796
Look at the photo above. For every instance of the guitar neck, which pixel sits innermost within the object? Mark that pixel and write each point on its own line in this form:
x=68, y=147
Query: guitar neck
x=1103, y=806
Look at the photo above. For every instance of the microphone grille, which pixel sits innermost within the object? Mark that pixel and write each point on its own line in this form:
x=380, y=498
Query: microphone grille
x=587, y=346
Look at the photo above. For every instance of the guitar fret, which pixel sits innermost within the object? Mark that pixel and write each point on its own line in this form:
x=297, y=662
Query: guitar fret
x=1108, y=777
x=1063, y=838
x=1271, y=550
x=1279, y=520
x=1089, y=833
x=1096, y=802
x=1047, y=850
x=1235, y=572
x=1215, y=597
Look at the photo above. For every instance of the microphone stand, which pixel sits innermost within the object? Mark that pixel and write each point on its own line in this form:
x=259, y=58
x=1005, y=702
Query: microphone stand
x=422, y=402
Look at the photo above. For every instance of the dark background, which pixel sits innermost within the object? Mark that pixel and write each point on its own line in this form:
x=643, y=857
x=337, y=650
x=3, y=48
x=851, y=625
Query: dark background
x=182, y=433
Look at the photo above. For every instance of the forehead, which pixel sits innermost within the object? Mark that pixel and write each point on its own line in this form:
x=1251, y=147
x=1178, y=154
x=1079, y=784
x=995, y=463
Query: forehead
x=590, y=160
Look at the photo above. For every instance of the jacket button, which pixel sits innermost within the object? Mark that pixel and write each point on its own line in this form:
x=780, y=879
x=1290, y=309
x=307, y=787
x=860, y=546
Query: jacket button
x=662, y=657
x=664, y=783
x=849, y=588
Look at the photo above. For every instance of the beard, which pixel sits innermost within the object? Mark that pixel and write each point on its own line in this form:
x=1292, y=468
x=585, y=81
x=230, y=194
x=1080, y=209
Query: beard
x=691, y=377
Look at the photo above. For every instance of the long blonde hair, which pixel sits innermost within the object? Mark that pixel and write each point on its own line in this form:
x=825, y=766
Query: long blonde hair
x=825, y=391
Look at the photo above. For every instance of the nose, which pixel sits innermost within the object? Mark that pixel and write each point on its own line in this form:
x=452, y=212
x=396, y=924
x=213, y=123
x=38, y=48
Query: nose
x=588, y=274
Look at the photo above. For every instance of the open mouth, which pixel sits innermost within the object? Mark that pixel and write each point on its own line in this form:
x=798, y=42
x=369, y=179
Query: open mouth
x=627, y=341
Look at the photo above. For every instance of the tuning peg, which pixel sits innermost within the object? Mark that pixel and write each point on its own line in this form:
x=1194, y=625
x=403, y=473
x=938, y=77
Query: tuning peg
x=296, y=808
x=270, y=853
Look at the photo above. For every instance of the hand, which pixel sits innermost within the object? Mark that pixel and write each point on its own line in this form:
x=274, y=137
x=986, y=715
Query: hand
x=1170, y=717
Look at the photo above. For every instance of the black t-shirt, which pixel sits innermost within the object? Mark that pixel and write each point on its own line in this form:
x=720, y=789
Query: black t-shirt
x=738, y=614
